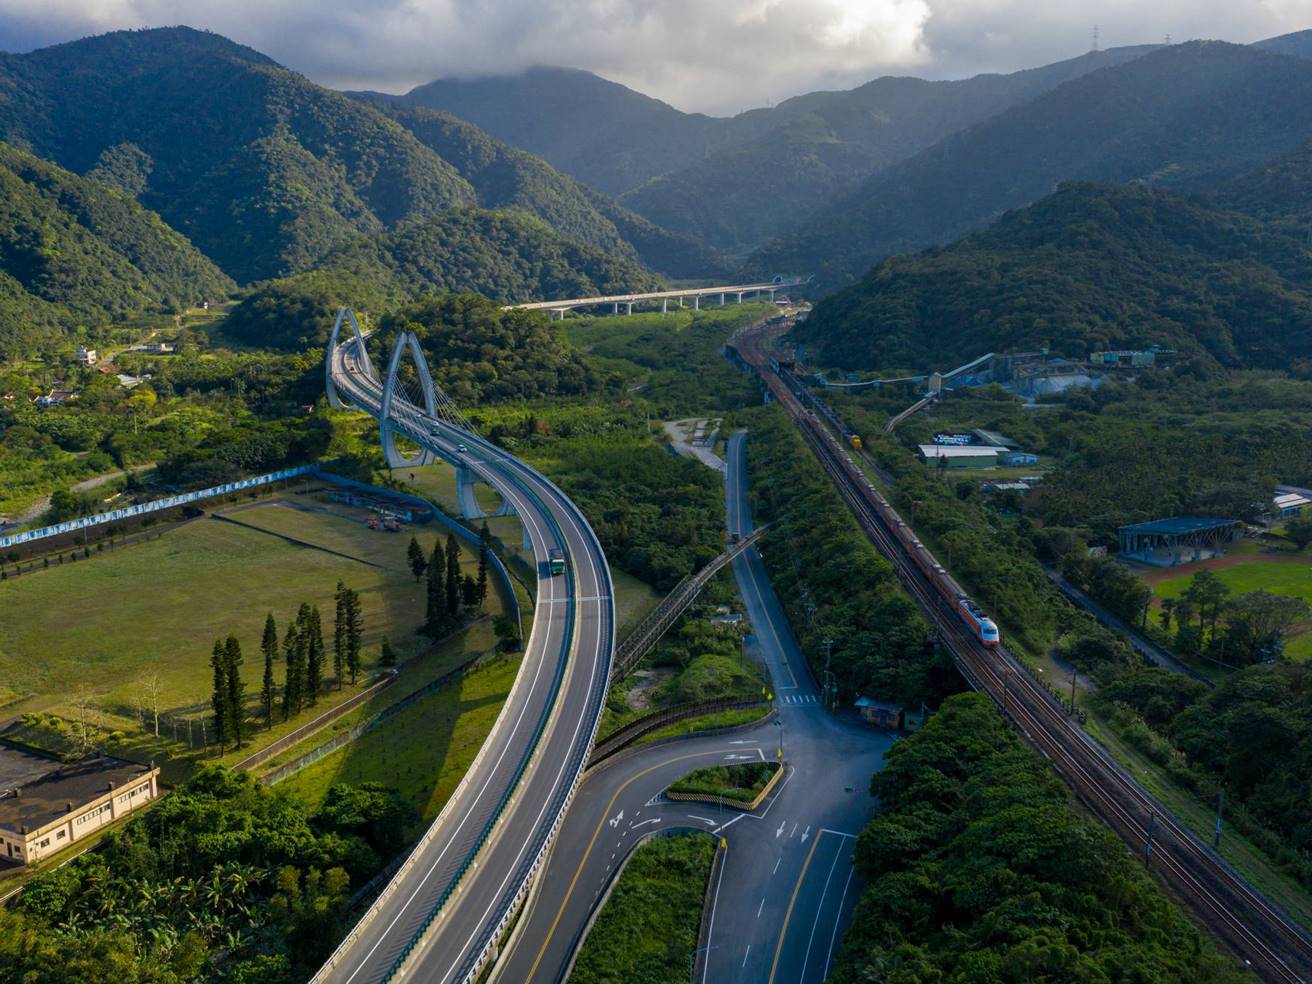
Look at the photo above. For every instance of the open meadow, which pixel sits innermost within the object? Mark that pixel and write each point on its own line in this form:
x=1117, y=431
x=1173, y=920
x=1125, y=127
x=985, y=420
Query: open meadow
x=108, y=623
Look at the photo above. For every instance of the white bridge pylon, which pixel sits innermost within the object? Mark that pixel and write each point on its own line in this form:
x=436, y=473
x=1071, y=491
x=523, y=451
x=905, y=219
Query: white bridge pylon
x=395, y=458
x=397, y=402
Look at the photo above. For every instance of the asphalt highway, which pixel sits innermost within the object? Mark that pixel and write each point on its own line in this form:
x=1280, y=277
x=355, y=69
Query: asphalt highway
x=439, y=917
x=787, y=887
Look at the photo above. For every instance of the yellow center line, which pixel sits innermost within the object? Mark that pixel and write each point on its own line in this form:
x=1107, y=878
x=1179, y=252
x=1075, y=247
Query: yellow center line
x=783, y=930
x=597, y=833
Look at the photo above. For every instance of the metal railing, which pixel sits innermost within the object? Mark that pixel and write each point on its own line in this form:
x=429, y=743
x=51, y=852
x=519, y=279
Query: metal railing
x=648, y=632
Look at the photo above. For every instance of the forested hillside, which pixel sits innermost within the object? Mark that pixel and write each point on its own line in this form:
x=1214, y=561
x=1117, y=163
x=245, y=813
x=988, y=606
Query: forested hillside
x=1090, y=267
x=1188, y=117
x=782, y=165
x=479, y=353
x=505, y=255
x=504, y=177
x=79, y=253
x=260, y=168
x=734, y=182
x=979, y=868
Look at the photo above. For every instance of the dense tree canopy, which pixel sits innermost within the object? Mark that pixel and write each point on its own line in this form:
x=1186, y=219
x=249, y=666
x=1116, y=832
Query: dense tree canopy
x=980, y=869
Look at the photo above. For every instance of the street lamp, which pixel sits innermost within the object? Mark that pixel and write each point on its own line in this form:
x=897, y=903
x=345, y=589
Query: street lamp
x=778, y=723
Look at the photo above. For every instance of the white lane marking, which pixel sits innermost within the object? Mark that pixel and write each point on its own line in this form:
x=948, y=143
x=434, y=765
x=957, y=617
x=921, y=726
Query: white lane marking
x=760, y=907
x=749, y=950
x=507, y=707
x=735, y=758
x=818, y=909
x=806, y=833
x=761, y=753
x=615, y=820
x=838, y=833
x=793, y=832
x=741, y=741
x=838, y=916
x=726, y=826
x=777, y=862
x=710, y=926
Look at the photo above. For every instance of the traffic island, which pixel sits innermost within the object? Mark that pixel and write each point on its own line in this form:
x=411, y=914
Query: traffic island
x=743, y=786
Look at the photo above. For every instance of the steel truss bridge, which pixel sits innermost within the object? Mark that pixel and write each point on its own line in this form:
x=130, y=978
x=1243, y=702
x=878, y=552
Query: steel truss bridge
x=440, y=918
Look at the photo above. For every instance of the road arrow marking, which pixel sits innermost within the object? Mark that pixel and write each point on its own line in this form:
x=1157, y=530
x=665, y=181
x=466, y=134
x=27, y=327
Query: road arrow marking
x=615, y=820
x=645, y=822
x=779, y=833
x=806, y=833
x=708, y=822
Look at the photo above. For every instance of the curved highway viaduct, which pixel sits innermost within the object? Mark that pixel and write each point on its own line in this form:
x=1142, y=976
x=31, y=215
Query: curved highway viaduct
x=439, y=919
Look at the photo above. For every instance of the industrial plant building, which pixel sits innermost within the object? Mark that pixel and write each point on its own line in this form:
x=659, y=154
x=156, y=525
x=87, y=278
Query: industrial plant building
x=1178, y=540
x=46, y=805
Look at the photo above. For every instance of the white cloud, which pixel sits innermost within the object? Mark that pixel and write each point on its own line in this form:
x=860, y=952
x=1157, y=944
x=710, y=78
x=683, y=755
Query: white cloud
x=711, y=55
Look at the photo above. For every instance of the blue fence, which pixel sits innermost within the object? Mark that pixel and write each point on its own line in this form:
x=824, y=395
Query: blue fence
x=127, y=512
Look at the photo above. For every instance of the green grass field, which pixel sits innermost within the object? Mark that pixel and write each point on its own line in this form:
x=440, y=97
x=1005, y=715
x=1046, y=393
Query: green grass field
x=109, y=622
x=1283, y=577
x=648, y=928
x=424, y=750
x=1291, y=577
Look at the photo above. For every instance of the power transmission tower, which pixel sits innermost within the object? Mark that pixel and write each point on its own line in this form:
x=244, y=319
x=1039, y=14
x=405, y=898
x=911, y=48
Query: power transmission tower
x=1095, y=37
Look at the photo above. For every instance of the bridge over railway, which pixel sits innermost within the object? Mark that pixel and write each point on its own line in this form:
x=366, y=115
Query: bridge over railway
x=440, y=917
x=695, y=294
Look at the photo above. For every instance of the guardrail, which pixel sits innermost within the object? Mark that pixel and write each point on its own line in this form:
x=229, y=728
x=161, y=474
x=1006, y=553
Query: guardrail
x=656, y=720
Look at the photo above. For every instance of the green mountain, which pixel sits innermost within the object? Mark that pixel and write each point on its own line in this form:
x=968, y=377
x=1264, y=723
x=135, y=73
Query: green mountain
x=1298, y=44
x=603, y=133
x=504, y=177
x=265, y=171
x=260, y=168
x=783, y=164
x=734, y=182
x=507, y=256
x=1090, y=267
x=1187, y=116
x=76, y=252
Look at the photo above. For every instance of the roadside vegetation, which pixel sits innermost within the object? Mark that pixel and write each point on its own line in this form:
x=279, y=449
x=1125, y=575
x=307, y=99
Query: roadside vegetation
x=648, y=929
x=979, y=866
x=222, y=878
x=742, y=782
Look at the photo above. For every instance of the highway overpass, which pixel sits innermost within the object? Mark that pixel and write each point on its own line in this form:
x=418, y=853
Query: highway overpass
x=694, y=294
x=440, y=917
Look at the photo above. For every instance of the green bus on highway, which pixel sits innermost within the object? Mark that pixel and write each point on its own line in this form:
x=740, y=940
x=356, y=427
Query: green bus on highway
x=557, y=559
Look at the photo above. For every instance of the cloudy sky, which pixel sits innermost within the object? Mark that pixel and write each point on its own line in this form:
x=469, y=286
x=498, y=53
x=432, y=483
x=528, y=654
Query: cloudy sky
x=717, y=56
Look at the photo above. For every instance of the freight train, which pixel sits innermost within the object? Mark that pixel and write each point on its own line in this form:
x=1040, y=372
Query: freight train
x=972, y=616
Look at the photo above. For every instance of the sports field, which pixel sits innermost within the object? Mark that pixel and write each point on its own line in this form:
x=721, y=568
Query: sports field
x=107, y=623
x=1243, y=572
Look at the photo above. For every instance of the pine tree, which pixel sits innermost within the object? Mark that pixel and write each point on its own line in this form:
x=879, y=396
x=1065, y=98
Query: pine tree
x=386, y=655
x=469, y=591
x=236, y=690
x=291, y=690
x=269, y=646
x=452, y=577
x=435, y=613
x=339, y=633
x=219, y=698
x=354, y=633
x=314, y=654
x=484, y=546
x=415, y=554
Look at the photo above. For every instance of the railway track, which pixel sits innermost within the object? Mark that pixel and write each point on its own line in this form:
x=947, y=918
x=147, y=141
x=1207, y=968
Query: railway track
x=1253, y=928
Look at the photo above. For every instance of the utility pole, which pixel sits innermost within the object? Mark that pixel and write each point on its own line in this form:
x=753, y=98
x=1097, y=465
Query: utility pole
x=1148, y=845
x=828, y=646
x=1072, y=690
x=1220, y=806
